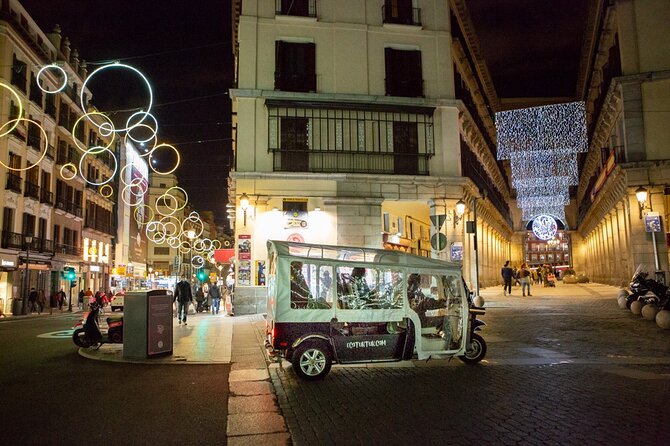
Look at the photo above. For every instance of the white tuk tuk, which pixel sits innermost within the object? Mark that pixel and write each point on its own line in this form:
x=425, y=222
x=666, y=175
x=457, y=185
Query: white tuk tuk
x=349, y=305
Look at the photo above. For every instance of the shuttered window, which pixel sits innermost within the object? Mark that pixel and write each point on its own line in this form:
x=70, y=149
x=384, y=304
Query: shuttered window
x=295, y=68
x=403, y=73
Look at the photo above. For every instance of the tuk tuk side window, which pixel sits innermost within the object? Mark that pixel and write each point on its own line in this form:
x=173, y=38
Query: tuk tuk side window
x=311, y=286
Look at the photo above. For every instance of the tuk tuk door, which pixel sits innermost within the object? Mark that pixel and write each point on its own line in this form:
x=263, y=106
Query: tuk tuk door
x=440, y=313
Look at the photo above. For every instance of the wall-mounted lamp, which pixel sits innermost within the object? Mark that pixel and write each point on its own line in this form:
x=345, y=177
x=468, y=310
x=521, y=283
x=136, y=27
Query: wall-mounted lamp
x=642, y=194
x=317, y=209
x=244, y=204
x=460, y=210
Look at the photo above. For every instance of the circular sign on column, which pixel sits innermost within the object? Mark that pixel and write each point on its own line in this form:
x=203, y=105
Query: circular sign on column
x=438, y=241
x=295, y=237
x=544, y=227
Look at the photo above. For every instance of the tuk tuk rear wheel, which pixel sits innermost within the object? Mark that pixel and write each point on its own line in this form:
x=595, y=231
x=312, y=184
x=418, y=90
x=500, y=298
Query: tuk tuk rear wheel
x=312, y=360
x=476, y=351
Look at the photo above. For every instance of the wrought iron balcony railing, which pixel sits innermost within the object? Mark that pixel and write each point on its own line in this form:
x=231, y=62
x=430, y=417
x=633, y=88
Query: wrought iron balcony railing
x=401, y=16
x=300, y=8
x=13, y=182
x=32, y=190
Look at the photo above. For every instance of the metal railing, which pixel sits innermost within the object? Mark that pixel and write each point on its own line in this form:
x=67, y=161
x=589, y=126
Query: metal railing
x=68, y=250
x=69, y=207
x=47, y=197
x=32, y=190
x=300, y=8
x=14, y=240
x=13, y=182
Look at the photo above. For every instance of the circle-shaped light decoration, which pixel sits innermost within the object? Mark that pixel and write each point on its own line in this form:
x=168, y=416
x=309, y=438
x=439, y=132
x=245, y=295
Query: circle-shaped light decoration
x=55, y=68
x=94, y=151
x=197, y=262
x=19, y=113
x=107, y=125
x=82, y=96
x=45, y=141
x=106, y=190
x=140, y=117
x=72, y=169
x=164, y=146
x=545, y=227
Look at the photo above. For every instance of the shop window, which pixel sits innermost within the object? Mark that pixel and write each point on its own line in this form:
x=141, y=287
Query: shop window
x=311, y=286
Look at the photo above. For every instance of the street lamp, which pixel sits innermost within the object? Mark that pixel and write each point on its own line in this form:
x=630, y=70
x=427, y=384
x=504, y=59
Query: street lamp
x=244, y=204
x=24, y=308
x=460, y=210
x=642, y=196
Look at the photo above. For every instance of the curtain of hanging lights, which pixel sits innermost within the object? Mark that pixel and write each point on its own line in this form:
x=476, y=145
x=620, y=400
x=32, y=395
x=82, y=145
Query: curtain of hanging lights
x=542, y=145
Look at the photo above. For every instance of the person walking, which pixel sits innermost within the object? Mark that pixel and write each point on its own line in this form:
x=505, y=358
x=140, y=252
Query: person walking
x=215, y=296
x=524, y=278
x=61, y=299
x=183, y=296
x=507, y=273
x=32, y=300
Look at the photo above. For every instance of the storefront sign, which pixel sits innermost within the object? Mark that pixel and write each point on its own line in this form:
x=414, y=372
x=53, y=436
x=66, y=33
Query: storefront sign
x=94, y=268
x=6, y=263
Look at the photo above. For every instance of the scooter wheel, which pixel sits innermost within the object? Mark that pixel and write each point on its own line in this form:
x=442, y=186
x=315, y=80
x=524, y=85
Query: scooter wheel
x=474, y=352
x=116, y=337
x=80, y=339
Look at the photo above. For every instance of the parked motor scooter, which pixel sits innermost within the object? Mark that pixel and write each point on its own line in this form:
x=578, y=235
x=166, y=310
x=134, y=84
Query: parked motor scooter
x=90, y=334
x=476, y=345
x=641, y=286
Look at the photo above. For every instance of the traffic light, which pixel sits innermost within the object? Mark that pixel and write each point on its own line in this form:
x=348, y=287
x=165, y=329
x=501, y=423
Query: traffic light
x=201, y=275
x=69, y=273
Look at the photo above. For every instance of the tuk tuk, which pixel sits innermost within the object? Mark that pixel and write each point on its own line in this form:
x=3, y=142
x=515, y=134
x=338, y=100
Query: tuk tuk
x=333, y=304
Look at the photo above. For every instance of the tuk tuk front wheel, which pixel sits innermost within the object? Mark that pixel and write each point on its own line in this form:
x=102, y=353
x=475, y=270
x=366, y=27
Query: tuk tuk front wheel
x=312, y=360
x=474, y=352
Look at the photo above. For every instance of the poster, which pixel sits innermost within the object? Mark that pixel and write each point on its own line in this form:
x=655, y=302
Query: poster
x=457, y=251
x=244, y=247
x=244, y=273
x=260, y=272
x=159, y=324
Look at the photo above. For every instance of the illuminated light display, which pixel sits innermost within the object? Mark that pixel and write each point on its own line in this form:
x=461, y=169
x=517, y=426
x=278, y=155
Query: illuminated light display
x=82, y=96
x=19, y=112
x=83, y=148
x=164, y=147
x=133, y=126
x=72, y=169
x=44, y=141
x=542, y=145
x=47, y=68
x=97, y=150
x=544, y=227
x=106, y=190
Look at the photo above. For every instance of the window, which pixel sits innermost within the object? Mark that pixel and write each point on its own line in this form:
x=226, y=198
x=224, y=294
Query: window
x=28, y=227
x=163, y=201
x=405, y=148
x=311, y=286
x=368, y=288
x=56, y=234
x=162, y=250
x=403, y=73
x=19, y=74
x=295, y=68
x=294, y=145
x=438, y=301
x=401, y=11
x=301, y=8
x=42, y=228
x=8, y=220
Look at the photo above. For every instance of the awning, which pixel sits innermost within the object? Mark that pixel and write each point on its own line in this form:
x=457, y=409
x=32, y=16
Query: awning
x=223, y=255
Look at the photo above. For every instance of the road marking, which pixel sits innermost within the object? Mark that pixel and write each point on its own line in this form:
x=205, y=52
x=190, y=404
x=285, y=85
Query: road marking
x=62, y=334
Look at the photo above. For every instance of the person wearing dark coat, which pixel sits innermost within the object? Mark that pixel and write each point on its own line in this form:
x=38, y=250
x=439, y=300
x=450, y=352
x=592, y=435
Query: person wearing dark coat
x=507, y=274
x=183, y=296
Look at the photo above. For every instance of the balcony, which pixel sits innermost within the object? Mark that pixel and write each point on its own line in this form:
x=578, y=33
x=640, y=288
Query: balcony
x=32, y=190
x=69, y=207
x=13, y=182
x=68, y=250
x=14, y=240
x=105, y=227
x=401, y=16
x=47, y=197
x=297, y=8
x=50, y=152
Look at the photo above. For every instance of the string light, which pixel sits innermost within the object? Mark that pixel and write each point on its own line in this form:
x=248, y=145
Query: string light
x=542, y=145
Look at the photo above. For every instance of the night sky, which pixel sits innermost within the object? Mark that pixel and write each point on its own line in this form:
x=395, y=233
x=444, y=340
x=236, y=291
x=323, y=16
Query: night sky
x=184, y=48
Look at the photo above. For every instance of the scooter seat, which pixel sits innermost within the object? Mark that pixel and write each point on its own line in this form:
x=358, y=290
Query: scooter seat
x=114, y=319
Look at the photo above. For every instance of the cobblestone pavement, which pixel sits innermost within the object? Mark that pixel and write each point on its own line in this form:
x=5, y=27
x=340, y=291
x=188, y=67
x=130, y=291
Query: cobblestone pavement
x=561, y=368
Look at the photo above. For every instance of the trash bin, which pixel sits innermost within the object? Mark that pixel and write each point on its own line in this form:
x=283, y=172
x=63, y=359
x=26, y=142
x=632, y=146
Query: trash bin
x=147, y=324
x=17, y=306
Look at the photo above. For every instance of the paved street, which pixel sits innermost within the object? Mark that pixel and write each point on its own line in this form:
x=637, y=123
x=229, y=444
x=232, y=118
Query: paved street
x=566, y=366
x=560, y=370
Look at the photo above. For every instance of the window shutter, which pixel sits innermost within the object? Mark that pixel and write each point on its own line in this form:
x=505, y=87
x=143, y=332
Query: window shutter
x=389, y=65
x=416, y=73
x=310, y=66
x=279, y=61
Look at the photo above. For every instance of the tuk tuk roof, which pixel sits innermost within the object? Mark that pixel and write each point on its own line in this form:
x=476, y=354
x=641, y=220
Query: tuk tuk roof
x=356, y=255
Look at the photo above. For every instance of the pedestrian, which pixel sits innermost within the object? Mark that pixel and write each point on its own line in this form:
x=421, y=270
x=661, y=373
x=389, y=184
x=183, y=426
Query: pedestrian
x=524, y=278
x=80, y=299
x=53, y=301
x=61, y=299
x=183, y=296
x=41, y=301
x=215, y=295
x=507, y=273
x=32, y=300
